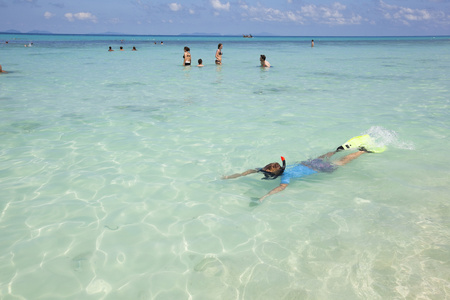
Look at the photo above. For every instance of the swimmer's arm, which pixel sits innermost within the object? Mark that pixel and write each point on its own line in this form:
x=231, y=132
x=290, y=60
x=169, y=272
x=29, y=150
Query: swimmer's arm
x=250, y=171
x=279, y=188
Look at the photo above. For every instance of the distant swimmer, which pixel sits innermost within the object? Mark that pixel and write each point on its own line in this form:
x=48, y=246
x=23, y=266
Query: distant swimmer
x=264, y=62
x=134, y=49
x=110, y=49
x=1, y=70
x=187, y=57
x=364, y=144
x=121, y=48
x=200, y=63
x=312, y=43
x=219, y=54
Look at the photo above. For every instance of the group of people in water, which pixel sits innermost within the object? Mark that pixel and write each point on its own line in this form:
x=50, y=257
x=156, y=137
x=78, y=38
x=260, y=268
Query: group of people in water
x=187, y=58
x=218, y=58
x=121, y=49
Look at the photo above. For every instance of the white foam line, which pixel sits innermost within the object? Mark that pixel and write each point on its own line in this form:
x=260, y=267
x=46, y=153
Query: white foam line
x=4, y=210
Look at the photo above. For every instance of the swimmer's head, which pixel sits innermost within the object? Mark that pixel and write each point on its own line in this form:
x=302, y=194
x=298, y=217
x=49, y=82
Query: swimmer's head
x=200, y=61
x=273, y=170
x=263, y=57
x=187, y=49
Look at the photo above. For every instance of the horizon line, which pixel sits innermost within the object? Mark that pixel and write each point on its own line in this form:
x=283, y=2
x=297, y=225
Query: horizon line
x=208, y=34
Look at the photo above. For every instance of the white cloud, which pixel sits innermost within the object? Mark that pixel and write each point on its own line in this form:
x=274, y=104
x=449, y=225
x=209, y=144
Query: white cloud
x=219, y=6
x=48, y=15
x=406, y=15
x=174, y=6
x=81, y=16
x=332, y=14
x=261, y=13
x=69, y=17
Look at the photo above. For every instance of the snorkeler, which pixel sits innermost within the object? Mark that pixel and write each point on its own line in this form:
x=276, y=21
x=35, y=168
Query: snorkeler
x=311, y=166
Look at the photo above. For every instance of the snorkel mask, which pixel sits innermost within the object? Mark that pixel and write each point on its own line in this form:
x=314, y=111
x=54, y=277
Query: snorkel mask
x=270, y=175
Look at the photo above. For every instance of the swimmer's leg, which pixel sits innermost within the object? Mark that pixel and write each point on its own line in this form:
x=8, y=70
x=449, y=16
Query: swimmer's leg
x=346, y=159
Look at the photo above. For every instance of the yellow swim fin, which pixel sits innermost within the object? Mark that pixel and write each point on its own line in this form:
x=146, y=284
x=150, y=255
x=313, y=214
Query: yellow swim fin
x=363, y=141
x=355, y=143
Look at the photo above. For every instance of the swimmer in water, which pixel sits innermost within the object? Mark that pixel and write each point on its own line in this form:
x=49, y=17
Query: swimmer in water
x=1, y=70
x=297, y=170
x=200, y=63
x=264, y=62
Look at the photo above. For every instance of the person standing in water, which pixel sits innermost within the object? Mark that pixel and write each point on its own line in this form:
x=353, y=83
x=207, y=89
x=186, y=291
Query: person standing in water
x=187, y=57
x=219, y=54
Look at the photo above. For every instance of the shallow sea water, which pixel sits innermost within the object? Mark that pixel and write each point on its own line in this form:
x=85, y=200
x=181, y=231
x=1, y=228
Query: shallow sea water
x=111, y=166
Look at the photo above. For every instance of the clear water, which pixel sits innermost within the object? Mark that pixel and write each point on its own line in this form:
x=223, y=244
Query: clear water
x=111, y=166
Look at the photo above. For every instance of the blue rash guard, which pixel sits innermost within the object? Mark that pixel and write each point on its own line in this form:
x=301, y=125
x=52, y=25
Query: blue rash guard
x=295, y=171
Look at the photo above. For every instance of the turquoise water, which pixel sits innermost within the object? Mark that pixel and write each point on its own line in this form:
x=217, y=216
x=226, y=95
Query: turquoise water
x=111, y=166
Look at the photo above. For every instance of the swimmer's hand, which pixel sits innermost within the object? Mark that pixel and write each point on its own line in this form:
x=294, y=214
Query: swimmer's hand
x=254, y=202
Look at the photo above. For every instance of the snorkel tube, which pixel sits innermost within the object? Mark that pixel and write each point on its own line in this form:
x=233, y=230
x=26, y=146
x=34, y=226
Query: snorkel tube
x=270, y=175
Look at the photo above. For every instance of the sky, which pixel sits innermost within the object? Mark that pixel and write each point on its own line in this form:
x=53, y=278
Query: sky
x=233, y=17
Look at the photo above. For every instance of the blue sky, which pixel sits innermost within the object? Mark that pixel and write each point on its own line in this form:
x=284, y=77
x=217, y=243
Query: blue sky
x=278, y=17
